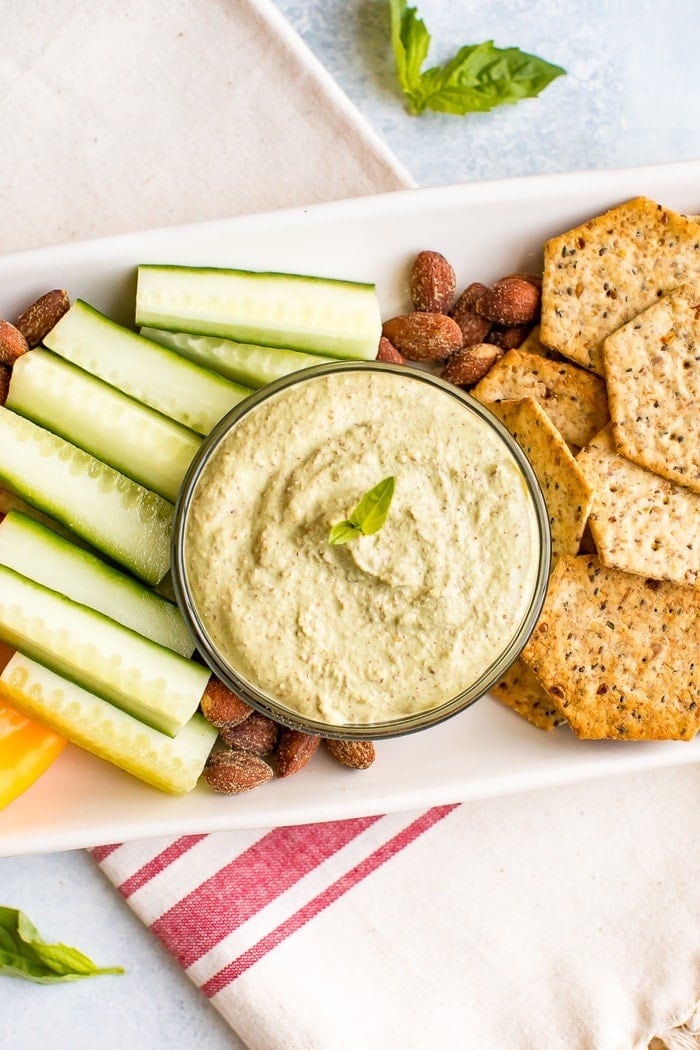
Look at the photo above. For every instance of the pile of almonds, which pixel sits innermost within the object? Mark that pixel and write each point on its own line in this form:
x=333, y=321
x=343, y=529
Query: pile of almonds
x=252, y=747
x=466, y=333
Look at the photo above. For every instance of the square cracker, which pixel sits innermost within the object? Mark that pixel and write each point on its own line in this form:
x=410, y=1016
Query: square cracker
x=566, y=491
x=641, y=522
x=619, y=653
x=575, y=400
x=520, y=690
x=532, y=344
x=653, y=370
x=600, y=274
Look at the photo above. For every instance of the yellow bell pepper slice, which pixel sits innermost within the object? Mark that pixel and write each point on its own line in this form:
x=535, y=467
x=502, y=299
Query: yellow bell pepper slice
x=27, y=749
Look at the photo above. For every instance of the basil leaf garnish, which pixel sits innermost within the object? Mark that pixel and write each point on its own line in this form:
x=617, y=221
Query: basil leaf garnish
x=368, y=517
x=24, y=954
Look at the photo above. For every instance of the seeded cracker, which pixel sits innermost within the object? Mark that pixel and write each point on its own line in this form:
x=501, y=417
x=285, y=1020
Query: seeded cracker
x=619, y=653
x=574, y=400
x=641, y=522
x=520, y=690
x=566, y=491
x=653, y=366
x=604, y=272
x=532, y=344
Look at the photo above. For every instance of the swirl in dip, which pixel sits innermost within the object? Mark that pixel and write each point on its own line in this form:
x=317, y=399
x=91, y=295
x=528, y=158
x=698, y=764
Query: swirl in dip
x=385, y=625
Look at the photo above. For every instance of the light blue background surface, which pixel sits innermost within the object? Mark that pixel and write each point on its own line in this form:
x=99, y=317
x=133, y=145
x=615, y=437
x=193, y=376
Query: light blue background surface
x=631, y=97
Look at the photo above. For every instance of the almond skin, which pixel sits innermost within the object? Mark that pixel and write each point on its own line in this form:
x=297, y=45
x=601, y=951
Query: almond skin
x=257, y=733
x=469, y=365
x=221, y=707
x=294, y=751
x=474, y=327
x=355, y=754
x=5, y=374
x=233, y=771
x=38, y=319
x=514, y=300
x=433, y=283
x=388, y=352
x=508, y=338
x=12, y=343
x=422, y=336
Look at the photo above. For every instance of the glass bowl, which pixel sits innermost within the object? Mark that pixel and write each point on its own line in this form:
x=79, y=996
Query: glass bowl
x=259, y=427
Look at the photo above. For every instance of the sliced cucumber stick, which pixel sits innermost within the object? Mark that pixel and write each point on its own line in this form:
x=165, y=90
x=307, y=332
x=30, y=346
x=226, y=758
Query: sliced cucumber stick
x=173, y=765
x=152, y=683
x=314, y=314
x=143, y=370
x=8, y=502
x=136, y=440
x=35, y=551
x=246, y=363
x=116, y=515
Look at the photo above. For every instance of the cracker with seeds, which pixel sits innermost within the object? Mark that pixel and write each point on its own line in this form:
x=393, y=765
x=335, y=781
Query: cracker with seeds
x=604, y=272
x=641, y=522
x=575, y=400
x=520, y=690
x=653, y=371
x=532, y=344
x=566, y=491
x=619, y=653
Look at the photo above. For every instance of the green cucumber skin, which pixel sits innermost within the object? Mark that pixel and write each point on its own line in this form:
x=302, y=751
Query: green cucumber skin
x=341, y=318
x=184, y=392
x=10, y=502
x=146, y=680
x=112, y=513
x=170, y=764
x=255, y=366
x=34, y=550
x=129, y=436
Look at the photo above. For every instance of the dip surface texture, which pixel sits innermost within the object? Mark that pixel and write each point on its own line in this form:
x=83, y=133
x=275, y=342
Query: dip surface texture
x=385, y=625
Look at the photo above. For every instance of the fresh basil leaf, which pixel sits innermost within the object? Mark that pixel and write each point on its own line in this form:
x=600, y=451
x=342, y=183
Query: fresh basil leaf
x=368, y=517
x=344, y=531
x=371, y=512
x=411, y=41
x=479, y=77
x=24, y=954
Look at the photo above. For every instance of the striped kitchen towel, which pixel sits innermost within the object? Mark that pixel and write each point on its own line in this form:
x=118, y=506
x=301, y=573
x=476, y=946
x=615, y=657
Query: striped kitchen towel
x=540, y=920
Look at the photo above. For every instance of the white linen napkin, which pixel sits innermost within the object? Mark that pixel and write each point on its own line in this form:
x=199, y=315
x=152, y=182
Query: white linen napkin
x=561, y=919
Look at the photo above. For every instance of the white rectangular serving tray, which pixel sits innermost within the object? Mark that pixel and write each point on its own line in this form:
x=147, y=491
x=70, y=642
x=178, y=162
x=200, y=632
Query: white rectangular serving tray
x=486, y=230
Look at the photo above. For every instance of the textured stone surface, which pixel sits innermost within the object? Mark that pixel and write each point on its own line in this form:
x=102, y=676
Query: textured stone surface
x=627, y=98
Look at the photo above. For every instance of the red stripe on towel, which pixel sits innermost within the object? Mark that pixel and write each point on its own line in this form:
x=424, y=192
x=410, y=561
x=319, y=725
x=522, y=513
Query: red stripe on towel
x=100, y=852
x=333, y=892
x=158, y=863
x=252, y=880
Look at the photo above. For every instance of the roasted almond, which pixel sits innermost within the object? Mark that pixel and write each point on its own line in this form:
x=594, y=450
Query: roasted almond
x=231, y=771
x=355, y=754
x=38, y=319
x=257, y=733
x=433, y=283
x=422, y=336
x=508, y=338
x=222, y=707
x=294, y=751
x=469, y=365
x=388, y=352
x=474, y=327
x=5, y=375
x=12, y=343
x=514, y=300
